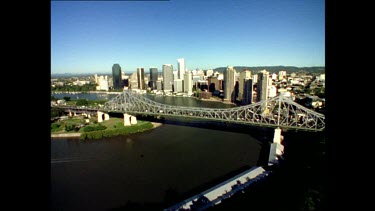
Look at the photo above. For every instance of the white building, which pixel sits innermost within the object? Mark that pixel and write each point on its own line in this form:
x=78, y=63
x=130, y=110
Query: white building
x=255, y=78
x=282, y=74
x=178, y=85
x=181, y=67
x=209, y=72
x=188, y=83
x=272, y=91
x=273, y=76
x=322, y=77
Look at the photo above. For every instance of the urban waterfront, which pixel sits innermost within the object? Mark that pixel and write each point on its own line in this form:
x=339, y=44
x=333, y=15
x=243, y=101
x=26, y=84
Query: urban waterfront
x=144, y=168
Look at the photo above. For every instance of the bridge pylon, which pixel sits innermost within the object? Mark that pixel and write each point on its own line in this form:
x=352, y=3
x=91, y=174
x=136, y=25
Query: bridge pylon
x=276, y=148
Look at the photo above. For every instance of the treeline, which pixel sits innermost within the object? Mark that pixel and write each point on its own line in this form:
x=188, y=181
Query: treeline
x=75, y=88
x=116, y=131
x=275, y=69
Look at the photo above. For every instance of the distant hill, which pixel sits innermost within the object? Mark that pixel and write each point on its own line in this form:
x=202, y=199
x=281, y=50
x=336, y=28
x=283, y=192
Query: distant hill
x=276, y=69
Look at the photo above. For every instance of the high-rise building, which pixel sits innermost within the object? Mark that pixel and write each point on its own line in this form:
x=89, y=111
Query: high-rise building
x=153, y=77
x=178, y=85
x=262, y=87
x=181, y=68
x=116, y=75
x=247, y=91
x=213, y=84
x=188, y=83
x=245, y=74
x=141, y=77
x=229, y=83
x=167, y=77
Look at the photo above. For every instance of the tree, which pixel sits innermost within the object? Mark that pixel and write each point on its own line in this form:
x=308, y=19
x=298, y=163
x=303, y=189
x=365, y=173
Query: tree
x=67, y=98
x=82, y=102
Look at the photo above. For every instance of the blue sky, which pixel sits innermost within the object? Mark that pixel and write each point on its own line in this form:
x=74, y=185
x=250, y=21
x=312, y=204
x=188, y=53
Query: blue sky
x=90, y=36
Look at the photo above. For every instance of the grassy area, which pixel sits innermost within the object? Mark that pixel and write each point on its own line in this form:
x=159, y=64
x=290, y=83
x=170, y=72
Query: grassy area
x=94, y=130
x=115, y=127
x=68, y=126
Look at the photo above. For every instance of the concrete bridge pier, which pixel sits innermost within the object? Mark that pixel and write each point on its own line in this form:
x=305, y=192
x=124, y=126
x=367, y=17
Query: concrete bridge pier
x=276, y=148
x=129, y=120
x=102, y=116
x=133, y=120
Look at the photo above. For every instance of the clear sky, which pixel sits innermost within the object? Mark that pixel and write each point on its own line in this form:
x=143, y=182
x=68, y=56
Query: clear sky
x=91, y=36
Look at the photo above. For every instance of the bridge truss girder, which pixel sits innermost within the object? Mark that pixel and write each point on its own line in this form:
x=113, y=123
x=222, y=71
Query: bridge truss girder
x=276, y=112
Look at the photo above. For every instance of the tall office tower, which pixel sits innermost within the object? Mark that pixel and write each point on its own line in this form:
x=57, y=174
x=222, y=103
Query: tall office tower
x=153, y=77
x=188, y=83
x=262, y=88
x=181, y=68
x=141, y=77
x=229, y=83
x=178, y=85
x=245, y=74
x=247, y=91
x=116, y=74
x=167, y=77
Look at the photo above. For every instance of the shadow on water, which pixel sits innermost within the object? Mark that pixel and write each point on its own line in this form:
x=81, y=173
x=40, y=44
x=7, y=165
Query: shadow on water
x=172, y=196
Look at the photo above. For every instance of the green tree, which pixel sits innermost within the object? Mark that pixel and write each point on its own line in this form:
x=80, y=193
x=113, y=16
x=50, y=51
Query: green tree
x=67, y=98
x=82, y=102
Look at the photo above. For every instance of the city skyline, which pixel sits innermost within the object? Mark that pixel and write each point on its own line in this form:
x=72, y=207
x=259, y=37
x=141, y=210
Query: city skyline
x=88, y=37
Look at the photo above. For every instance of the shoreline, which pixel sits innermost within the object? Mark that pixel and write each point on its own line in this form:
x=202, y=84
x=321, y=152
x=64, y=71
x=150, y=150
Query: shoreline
x=69, y=135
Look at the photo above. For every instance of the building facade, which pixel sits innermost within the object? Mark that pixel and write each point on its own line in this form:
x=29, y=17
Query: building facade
x=262, y=87
x=167, y=77
x=181, y=67
x=245, y=74
x=153, y=77
x=116, y=75
x=141, y=78
x=188, y=83
x=229, y=83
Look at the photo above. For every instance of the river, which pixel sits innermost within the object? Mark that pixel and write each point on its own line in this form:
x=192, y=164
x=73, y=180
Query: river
x=159, y=166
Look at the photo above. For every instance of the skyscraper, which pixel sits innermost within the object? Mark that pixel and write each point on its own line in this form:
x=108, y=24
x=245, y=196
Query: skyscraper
x=167, y=77
x=141, y=77
x=262, y=87
x=188, y=83
x=153, y=77
x=245, y=74
x=247, y=91
x=181, y=68
x=116, y=74
x=229, y=83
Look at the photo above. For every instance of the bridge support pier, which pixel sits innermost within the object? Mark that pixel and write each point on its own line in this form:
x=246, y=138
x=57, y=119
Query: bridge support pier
x=133, y=120
x=127, y=120
x=276, y=148
x=100, y=116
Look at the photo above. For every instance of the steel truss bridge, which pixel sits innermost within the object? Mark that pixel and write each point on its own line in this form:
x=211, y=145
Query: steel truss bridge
x=275, y=112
